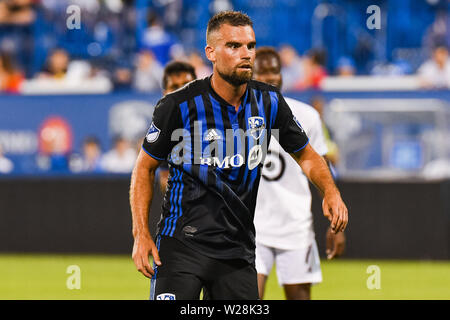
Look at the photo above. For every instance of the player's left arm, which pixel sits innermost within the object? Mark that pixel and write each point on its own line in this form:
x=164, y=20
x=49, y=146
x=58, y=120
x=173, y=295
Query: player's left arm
x=316, y=169
x=335, y=242
x=294, y=140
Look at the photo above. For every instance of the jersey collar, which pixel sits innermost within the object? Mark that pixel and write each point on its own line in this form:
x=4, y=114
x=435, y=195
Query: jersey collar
x=222, y=101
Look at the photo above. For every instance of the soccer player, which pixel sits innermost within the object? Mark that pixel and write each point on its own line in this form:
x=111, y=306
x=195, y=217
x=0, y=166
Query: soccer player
x=206, y=236
x=176, y=75
x=283, y=219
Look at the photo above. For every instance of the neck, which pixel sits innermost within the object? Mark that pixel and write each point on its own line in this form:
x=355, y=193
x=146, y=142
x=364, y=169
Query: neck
x=228, y=92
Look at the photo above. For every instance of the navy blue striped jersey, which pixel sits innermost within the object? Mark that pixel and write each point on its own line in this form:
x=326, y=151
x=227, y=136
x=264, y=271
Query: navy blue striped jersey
x=215, y=156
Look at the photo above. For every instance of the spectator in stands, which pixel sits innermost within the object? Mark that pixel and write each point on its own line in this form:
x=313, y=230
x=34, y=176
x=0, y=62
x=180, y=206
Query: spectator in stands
x=60, y=75
x=201, y=69
x=90, y=161
x=121, y=158
x=17, y=12
x=123, y=28
x=10, y=78
x=314, y=70
x=57, y=65
x=122, y=76
x=148, y=74
x=435, y=73
x=438, y=32
x=157, y=39
x=292, y=67
x=6, y=165
x=346, y=67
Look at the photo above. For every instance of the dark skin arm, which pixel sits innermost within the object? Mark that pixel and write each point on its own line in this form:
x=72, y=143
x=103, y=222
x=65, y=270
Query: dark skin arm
x=316, y=169
x=335, y=243
x=141, y=192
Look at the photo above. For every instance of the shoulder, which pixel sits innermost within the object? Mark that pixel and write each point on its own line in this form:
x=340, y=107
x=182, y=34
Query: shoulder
x=301, y=108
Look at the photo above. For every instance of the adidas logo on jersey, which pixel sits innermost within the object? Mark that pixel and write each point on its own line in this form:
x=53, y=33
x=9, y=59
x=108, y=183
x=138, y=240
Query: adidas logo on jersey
x=212, y=135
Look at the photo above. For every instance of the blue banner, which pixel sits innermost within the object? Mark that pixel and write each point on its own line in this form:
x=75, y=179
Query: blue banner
x=37, y=129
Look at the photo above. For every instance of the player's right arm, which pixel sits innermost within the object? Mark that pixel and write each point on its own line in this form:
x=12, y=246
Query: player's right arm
x=156, y=147
x=141, y=192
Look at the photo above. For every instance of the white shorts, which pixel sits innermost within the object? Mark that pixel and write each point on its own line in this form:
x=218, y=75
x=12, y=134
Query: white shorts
x=293, y=266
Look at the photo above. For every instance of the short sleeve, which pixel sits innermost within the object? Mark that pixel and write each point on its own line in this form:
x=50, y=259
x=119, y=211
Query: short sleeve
x=314, y=130
x=291, y=136
x=166, y=118
x=317, y=138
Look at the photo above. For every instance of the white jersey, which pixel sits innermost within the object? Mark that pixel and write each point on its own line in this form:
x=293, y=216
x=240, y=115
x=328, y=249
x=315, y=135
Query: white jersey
x=283, y=217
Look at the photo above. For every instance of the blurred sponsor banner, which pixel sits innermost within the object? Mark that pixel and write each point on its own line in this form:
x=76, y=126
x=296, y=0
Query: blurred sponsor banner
x=35, y=126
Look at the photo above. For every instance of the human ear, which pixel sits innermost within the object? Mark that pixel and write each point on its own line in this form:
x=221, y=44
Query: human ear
x=210, y=53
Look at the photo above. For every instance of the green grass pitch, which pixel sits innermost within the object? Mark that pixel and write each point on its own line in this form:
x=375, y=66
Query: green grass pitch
x=115, y=277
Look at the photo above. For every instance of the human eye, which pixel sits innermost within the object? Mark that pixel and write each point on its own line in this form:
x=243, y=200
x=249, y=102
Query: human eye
x=233, y=45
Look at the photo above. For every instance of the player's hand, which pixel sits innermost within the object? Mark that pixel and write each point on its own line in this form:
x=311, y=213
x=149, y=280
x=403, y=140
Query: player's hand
x=335, y=210
x=144, y=247
x=335, y=244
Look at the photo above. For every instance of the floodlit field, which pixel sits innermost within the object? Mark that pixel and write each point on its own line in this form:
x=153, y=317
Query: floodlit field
x=115, y=277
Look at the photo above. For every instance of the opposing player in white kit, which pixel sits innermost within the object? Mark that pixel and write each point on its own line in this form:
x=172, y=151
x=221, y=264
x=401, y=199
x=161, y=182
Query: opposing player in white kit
x=283, y=218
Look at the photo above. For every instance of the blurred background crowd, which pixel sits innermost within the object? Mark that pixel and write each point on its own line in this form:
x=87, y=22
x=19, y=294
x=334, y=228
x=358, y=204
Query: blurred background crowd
x=63, y=47
x=124, y=44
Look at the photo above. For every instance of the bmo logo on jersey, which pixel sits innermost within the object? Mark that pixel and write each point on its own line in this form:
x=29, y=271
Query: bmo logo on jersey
x=227, y=162
x=165, y=296
x=255, y=157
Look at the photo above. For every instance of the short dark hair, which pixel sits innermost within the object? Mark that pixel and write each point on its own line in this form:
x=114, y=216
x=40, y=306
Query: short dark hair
x=268, y=52
x=234, y=18
x=439, y=46
x=7, y=61
x=318, y=56
x=175, y=67
x=91, y=140
x=118, y=138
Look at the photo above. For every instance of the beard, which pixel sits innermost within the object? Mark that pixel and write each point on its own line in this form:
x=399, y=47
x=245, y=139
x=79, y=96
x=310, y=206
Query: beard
x=236, y=79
